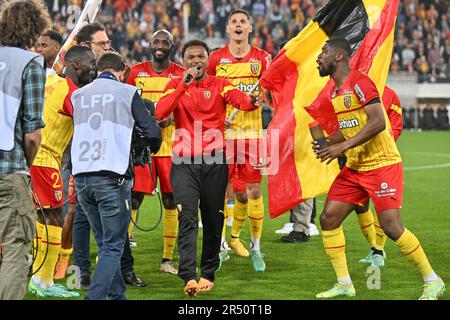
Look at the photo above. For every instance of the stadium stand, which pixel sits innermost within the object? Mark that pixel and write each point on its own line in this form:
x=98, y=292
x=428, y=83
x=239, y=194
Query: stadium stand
x=421, y=47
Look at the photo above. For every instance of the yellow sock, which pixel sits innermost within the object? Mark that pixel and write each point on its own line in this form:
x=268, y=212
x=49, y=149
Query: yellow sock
x=64, y=254
x=256, y=220
x=170, y=232
x=410, y=246
x=366, y=223
x=40, y=229
x=225, y=218
x=52, y=240
x=334, y=244
x=239, y=213
x=130, y=227
x=380, y=240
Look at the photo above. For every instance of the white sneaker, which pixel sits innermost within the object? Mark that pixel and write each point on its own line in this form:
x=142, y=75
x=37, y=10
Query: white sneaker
x=287, y=228
x=313, y=231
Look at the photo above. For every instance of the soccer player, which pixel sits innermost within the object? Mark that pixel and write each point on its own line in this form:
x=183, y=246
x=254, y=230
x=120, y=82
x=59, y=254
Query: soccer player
x=152, y=77
x=49, y=45
x=45, y=172
x=370, y=226
x=373, y=170
x=243, y=64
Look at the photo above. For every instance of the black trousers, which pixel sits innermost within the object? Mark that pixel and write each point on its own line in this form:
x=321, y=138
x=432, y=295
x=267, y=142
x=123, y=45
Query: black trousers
x=194, y=186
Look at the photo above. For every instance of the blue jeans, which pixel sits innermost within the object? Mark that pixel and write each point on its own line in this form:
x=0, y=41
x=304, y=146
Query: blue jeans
x=81, y=240
x=107, y=204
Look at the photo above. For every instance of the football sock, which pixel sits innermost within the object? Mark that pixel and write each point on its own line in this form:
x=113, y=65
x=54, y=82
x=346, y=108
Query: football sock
x=239, y=213
x=256, y=220
x=64, y=254
x=410, y=246
x=380, y=240
x=366, y=223
x=334, y=244
x=52, y=241
x=130, y=227
x=225, y=217
x=170, y=232
x=40, y=229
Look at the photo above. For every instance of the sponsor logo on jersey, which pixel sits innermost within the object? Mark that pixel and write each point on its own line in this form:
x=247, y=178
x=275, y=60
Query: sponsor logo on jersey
x=143, y=75
x=360, y=93
x=225, y=60
x=245, y=87
x=174, y=76
x=344, y=124
x=207, y=94
x=223, y=68
x=347, y=101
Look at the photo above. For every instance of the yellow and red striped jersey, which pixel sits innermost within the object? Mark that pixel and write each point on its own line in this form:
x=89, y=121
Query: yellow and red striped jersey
x=349, y=102
x=152, y=84
x=58, y=113
x=243, y=73
x=391, y=104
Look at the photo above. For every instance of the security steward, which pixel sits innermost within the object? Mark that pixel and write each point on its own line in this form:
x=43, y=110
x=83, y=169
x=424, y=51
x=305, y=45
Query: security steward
x=199, y=171
x=105, y=113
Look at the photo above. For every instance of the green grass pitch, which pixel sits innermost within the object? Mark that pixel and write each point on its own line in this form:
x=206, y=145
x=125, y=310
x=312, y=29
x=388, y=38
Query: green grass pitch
x=299, y=271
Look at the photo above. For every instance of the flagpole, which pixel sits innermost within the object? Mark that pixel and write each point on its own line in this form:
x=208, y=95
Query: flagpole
x=235, y=112
x=87, y=16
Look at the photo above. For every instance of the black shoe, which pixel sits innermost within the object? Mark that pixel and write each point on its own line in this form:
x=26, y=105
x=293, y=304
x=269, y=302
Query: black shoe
x=295, y=236
x=85, y=282
x=132, y=280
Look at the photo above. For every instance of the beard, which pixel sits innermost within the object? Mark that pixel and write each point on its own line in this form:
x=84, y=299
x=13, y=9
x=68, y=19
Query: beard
x=327, y=71
x=161, y=59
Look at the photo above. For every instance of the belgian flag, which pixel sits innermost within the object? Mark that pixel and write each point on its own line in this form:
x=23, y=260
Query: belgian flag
x=296, y=86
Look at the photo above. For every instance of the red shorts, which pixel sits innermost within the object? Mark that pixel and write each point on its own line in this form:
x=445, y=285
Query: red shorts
x=47, y=183
x=71, y=191
x=383, y=185
x=245, y=162
x=143, y=181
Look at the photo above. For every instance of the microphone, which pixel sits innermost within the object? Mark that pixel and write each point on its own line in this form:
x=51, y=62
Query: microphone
x=189, y=76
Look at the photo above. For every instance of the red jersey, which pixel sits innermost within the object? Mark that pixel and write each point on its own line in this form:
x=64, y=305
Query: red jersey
x=348, y=102
x=391, y=104
x=243, y=73
x=199, y=111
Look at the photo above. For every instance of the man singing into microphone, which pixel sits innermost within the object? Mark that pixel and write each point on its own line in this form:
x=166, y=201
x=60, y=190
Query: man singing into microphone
x=199, y=172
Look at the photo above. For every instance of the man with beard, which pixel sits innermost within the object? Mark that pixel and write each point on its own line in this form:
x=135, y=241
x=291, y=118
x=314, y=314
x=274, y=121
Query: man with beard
x=152, y=77
x=373, y=169
x=49, y=45
x=45, y=172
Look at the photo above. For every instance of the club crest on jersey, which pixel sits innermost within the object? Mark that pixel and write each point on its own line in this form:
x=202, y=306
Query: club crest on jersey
x=58, y=195
x=254, y=68
x=347, y=101
x=207, y=94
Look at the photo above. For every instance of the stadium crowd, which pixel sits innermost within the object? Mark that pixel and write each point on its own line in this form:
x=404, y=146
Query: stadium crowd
x=422, y=41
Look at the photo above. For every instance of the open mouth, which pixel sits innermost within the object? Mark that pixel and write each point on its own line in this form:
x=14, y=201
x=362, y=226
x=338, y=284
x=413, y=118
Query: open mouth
x=238, y=31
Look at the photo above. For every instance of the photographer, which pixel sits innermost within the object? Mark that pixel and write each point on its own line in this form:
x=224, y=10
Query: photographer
x=104, y=115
